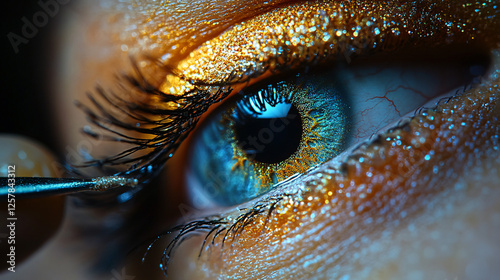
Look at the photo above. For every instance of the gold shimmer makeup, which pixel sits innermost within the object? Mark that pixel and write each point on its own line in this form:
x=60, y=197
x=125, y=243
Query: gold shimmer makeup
x=327, y=30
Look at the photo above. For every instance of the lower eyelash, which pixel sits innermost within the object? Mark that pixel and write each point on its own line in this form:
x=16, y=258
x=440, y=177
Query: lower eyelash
x=224, y=227
x=161, y=130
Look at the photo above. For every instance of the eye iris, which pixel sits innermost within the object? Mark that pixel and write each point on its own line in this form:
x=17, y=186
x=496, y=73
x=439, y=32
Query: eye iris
x=269, y=134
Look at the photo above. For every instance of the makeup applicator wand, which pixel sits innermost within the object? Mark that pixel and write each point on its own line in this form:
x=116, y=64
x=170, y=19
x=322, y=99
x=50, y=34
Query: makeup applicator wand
x=27, y=187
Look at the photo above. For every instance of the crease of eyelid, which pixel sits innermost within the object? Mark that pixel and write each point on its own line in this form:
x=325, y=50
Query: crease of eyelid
x=371, y=188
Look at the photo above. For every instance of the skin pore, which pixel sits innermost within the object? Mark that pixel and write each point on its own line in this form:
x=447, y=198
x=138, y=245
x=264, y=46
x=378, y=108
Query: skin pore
x=418, y=202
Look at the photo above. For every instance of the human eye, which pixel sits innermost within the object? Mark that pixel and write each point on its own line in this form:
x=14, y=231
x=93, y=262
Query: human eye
x=358, y=199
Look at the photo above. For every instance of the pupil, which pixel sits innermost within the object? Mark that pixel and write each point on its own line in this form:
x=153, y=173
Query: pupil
x=270, y=136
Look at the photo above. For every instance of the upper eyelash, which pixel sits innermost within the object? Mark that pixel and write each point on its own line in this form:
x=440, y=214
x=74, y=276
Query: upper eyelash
x=167, y=133
x=163, y=144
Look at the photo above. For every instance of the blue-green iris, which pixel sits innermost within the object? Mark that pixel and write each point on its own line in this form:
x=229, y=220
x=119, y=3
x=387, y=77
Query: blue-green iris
x=271, y=133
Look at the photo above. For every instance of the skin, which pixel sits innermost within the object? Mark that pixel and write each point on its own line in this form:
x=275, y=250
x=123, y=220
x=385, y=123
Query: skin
x=448, y=230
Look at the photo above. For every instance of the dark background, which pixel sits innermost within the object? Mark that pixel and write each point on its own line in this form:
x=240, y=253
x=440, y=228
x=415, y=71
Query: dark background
x=24, y=105
x=24, y=110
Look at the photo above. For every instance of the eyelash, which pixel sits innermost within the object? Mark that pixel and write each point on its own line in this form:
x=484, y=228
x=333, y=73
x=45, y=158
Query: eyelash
x=218, y=226
x=167, y=133
x=202, y=96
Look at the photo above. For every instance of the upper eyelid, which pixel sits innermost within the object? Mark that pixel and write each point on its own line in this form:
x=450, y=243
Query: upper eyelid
x=210, y=71
x=212, y=64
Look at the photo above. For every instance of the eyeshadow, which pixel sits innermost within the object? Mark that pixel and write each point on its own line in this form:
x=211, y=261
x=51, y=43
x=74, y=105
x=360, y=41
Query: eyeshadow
x=166, y=26
x=306, y=33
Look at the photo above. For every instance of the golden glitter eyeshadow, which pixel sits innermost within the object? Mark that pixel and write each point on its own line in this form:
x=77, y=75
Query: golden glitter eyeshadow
x=302, y=34
x=167, y=27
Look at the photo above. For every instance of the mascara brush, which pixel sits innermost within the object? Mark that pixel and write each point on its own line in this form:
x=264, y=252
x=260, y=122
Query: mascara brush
x=27, y=187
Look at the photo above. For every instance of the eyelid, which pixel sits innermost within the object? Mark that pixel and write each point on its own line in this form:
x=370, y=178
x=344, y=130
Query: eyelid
x=299, y=34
